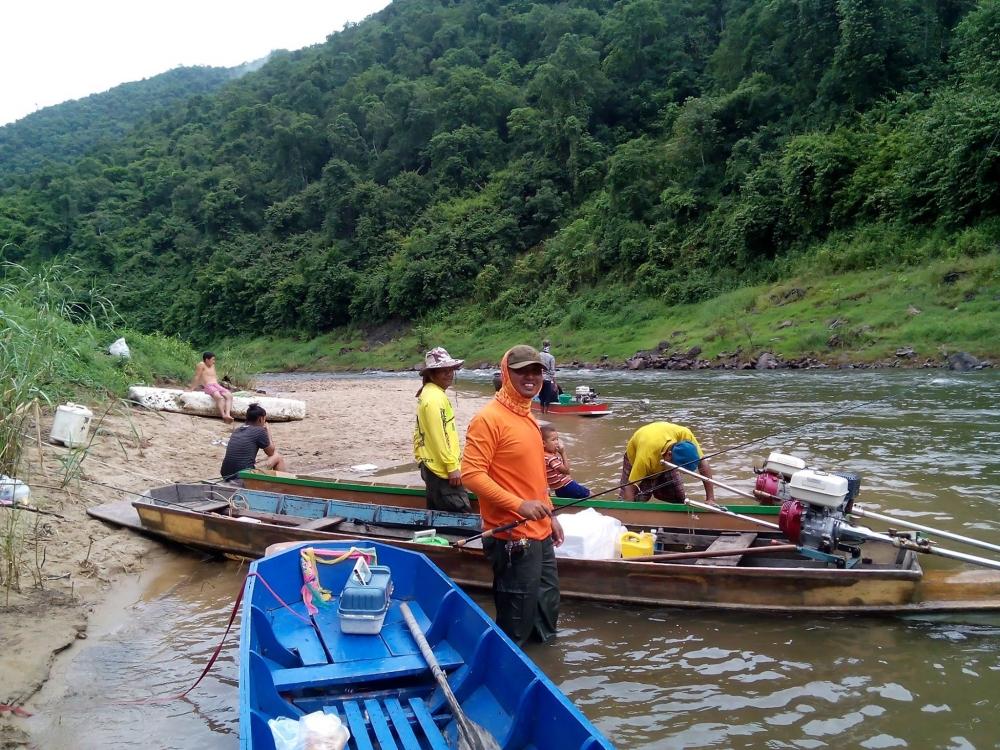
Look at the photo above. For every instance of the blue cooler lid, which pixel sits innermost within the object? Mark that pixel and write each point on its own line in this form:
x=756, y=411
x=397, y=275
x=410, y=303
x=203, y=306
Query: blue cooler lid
x=367, y=599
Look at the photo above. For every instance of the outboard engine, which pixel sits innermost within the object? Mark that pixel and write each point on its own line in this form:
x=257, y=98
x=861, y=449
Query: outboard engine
x=818, y=506
x=771, y=487
x=584, y=394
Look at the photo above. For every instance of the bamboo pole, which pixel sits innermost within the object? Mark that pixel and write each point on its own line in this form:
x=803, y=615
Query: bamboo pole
x=700, y=554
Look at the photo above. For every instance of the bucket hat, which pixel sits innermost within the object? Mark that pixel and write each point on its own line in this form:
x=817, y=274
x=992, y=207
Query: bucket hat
x=439, y=359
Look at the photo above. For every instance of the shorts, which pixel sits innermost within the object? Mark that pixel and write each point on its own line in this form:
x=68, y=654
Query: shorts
x=215, y=390
x=574, y=490
x=667, y=486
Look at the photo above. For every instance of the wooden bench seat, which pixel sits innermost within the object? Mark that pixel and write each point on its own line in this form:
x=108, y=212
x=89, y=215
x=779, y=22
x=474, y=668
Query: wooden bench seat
x=208, y=506
x=320, y=524
x=388, y=719
x=329, y=675
x=734, y=542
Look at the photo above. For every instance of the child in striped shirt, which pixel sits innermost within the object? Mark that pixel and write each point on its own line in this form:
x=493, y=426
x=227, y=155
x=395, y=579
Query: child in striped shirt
x=561, y=484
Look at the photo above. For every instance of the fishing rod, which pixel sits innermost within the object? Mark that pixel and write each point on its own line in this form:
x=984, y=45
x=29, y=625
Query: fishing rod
x=859, y=512
x=839, y=528
x=514, y=524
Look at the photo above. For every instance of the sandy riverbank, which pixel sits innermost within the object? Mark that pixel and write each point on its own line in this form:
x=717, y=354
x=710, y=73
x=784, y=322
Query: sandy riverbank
x=70, y=561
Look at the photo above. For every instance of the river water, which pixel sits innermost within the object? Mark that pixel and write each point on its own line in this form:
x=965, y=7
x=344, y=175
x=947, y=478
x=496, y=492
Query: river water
x=926, y=443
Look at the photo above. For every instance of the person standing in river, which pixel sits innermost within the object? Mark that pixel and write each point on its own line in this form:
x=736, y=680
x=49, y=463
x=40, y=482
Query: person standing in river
x=550, y=388
x=435, y=439
x=504, y=464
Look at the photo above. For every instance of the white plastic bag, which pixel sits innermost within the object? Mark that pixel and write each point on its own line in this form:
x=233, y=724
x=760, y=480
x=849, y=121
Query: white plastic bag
x=120, y=349
x=315, y=731
x=589, y=535
x=12, y=491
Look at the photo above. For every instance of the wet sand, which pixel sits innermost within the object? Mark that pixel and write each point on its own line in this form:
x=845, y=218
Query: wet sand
x=71, y=563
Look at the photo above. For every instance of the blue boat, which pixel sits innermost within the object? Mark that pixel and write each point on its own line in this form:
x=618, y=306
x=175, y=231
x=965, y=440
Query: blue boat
x=296, y=658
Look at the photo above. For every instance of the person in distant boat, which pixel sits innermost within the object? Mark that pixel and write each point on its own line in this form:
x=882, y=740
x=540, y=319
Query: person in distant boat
x=557, y=467
x=206, y=379
x=246, y=440
x=550, y=389
x=435, y=439
x=642, y=463
x=504, y=464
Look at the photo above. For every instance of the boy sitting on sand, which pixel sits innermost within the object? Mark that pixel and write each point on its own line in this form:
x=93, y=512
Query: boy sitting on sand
x=557, y=467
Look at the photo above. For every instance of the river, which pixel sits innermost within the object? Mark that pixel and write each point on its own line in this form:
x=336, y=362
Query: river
x=926, y=444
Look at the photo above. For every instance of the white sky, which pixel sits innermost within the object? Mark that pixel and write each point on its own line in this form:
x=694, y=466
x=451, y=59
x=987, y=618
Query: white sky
x=55, y=50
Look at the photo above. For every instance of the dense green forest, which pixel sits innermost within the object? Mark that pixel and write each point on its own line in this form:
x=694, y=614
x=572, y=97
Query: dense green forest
x=67, y=131
x=516, y=158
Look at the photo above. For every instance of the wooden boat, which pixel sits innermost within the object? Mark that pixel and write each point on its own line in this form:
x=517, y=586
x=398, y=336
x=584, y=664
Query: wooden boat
x=579, y=410
x=653, y=513
x=885, y=580
x=201, y=404
x=378, y=683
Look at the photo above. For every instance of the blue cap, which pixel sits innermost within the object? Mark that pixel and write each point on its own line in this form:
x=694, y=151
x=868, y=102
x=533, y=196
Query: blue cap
x=685, y=455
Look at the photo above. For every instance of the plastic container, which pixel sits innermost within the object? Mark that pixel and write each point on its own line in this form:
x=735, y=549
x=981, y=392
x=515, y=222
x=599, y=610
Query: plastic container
x=818, y=488
x=589, y=535
x=565, y=399
x=637, y=544
x=363, y=606
x=782, y=463
x=12, y=491
x=71, y=425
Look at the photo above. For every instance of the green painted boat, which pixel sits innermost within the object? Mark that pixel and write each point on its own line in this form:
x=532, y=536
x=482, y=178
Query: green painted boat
x=653, y=513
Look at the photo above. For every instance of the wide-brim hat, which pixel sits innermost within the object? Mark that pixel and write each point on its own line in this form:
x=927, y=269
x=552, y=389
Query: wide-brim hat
x=439, y=359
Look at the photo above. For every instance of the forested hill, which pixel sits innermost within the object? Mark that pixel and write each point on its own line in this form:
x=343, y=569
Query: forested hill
x=517, y=156
x=66, y=131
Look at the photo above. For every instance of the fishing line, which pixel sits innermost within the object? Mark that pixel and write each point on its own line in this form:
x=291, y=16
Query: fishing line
x=799, y=426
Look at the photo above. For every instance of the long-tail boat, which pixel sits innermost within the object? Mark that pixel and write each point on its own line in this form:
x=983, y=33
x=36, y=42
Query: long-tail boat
x=695, y=566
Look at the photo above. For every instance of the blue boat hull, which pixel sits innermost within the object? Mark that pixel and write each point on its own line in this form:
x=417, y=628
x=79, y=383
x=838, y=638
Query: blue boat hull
x=380, y=685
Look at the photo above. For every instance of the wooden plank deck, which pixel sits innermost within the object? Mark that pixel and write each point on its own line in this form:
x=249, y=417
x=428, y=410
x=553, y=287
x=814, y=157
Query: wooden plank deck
x=734, y=542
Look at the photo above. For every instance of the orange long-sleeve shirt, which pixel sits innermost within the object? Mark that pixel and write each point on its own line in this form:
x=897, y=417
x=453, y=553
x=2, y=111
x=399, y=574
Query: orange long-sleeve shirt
x=504, y=464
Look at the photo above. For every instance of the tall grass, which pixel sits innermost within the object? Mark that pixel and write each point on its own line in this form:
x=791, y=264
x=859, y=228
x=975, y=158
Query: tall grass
x=55, y=327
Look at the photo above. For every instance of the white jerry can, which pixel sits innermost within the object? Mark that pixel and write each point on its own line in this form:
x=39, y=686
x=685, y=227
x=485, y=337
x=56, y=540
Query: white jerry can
x=71, y=425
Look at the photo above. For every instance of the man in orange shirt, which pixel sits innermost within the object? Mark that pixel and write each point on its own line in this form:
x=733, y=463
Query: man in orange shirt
x=504, y=464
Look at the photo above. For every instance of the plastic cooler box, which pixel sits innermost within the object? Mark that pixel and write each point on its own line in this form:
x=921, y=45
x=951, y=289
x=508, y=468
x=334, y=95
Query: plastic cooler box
x=362, y=607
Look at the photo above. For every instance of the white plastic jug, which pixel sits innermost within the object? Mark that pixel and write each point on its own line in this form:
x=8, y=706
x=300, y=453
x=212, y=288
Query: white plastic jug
x=71, y=425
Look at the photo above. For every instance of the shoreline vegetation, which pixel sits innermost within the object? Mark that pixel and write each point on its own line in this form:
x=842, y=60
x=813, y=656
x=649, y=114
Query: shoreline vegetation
x=921, y=316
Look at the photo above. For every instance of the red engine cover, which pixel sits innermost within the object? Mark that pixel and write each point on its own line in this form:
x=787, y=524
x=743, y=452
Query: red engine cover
x=767, y=482
x=790, y=520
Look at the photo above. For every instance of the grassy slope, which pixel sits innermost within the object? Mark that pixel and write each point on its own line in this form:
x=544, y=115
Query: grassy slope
x=936, y=308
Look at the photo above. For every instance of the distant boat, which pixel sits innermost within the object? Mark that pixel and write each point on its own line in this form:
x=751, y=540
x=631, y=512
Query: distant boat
x=379, y=684
x=748, y=576
x=579, y=410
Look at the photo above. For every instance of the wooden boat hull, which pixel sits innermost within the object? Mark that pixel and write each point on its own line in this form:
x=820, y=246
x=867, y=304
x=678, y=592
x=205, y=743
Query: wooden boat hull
x=378, y=682
x=895, y=583
x=201, y=404
x=576, y=410
x=653, y=513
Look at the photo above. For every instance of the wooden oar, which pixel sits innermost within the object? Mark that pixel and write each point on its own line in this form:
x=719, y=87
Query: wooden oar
x=699, y=554
x=470, y=735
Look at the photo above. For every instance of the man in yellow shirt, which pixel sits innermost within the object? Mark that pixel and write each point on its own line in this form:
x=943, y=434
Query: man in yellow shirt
x=642, y=464
x=435, y=439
